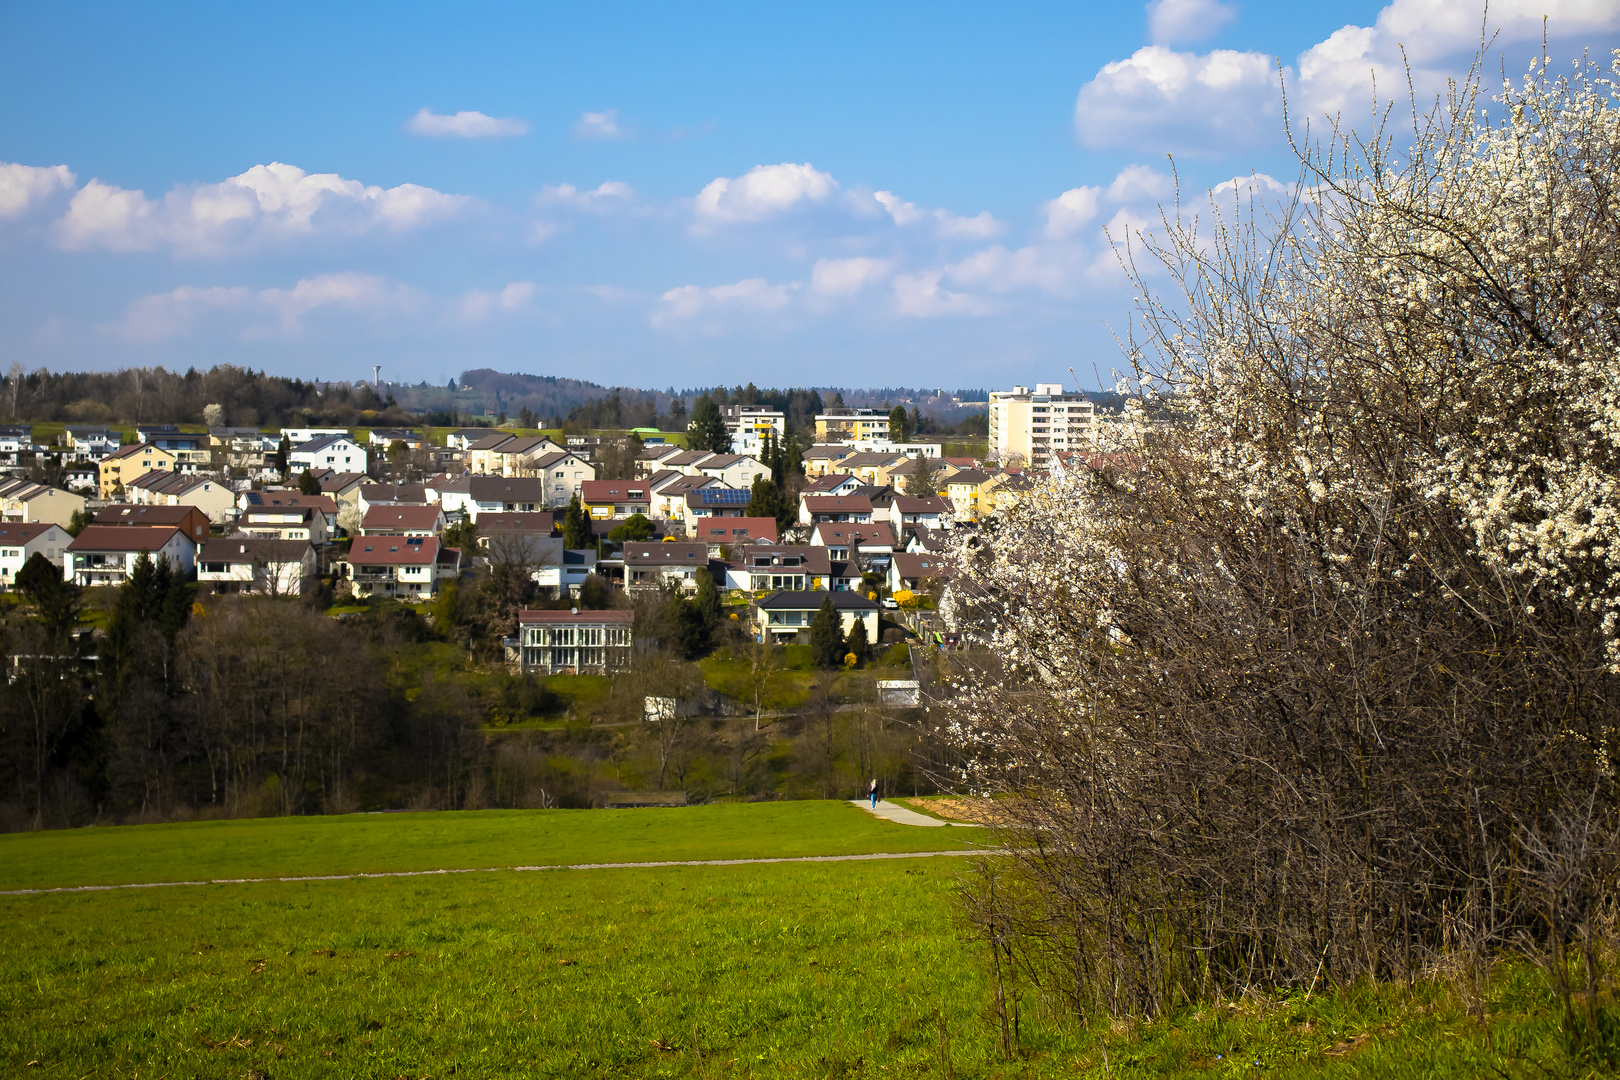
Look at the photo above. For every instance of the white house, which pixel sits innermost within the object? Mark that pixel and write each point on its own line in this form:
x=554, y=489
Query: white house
x=574, y=641
x=244, y=564
x=787, y=616
x=409, y=567
x=653, y=566
x=105, y=554
x=337, y=452
x=732, y=470
x=19, y=541
x=297, y=436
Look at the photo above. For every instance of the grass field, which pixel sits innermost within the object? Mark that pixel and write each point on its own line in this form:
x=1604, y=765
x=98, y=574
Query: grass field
x=369, y=843
x=824, y=970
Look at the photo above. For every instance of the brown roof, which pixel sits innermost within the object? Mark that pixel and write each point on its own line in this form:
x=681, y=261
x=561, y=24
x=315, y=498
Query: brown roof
x=401, y=516
x=272, y=498
x=837, y=504
x=134, y=449
x=133, y=514
x=736, y=528
x=541, y=522
x=814, y=560
x=394, y=550
x=844, y=532
x=920, y=565
x=244, y=549
x=392, y=493
x=826, y=483
x=927, y=504
x=124, y=537
x=601, y=491
x=674, y=553
x=577, y=616
x=17, y=532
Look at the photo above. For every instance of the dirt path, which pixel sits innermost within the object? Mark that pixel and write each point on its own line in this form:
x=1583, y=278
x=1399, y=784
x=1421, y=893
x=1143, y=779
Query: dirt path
x=899, y=814
x=505, y=869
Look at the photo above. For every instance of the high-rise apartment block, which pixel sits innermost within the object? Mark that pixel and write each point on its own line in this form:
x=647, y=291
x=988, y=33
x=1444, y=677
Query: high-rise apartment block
x=1033, y=425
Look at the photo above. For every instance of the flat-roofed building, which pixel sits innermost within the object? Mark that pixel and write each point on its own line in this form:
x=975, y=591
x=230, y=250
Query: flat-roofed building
x=1029, y=426
x=552, y=642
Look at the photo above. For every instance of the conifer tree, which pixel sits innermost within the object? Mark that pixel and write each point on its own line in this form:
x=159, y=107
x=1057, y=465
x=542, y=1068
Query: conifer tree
x=577, y=527
x=826, y=636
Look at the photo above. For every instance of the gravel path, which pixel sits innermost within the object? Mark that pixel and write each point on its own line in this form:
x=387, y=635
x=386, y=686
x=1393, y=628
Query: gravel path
x=513, y=869
x=897, y=813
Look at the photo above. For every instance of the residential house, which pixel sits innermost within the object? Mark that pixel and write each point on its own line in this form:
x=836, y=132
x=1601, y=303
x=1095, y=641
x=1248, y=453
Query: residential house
x=874, y=468
x=240, y=564
x=720, y=532
x=732, y=470
x=752, y=422
x=343, y=487
x=206, y=493
x=653, y=566
x=339, y=453
x=929, y=512
x=564, y=474
x=901, y=476
x=453, y=493
x=25, y=501
x=80, y=476
x=1030, y=427
x=822, y=459
x=407, y=567
x=125, y=465
x=684, y=461
x=963, y=488
x=914, y=572
x=765, y=567
x=615, y=498
x=464, y=438
x=574, y=641
x=105, y=554
x=568, y=574
x=284, y=514
x=832, y=484
x=90, y=443
x=846, y=425
x=369, y=495
x=786, y=617
x=850, y=541
x=717, y=502
x=296, y=436
x=190, y=520
x=403, y=520
x=502, y=495
x=247, y=450
x=669, y=490
x=16, y=440
x=814, y=509
x=504, y=454
x=21, y=541
x=380, y=439
x=191, y=449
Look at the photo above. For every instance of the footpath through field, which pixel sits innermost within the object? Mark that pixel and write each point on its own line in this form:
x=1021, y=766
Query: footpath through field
x=513, y=869
x=899, y=814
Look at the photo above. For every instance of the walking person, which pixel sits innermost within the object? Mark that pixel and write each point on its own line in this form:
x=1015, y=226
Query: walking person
x=872, y=794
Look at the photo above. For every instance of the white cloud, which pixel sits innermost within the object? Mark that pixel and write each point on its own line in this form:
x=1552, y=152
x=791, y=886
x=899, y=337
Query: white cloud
x=476, y=306
x=764, y=191
x=981, y=226
x=265, y=312
x=995, y=269
x=919, y=295
x=845, y=277
x=464, y=125
x=1070, y=211
x=604, y=196
x=1180, y=101
x=22, y=186
x=265, y=201
x=1173, y=22
x=751, y=295
x=1135, y=183
x=1160, y=99
x=599, y=125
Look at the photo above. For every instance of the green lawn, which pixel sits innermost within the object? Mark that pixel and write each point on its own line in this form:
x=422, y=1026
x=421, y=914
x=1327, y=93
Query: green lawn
x=359, y=843
x=793, y=969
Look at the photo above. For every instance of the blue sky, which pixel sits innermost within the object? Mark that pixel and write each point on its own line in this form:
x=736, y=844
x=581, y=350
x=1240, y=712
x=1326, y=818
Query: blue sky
x=656, y=194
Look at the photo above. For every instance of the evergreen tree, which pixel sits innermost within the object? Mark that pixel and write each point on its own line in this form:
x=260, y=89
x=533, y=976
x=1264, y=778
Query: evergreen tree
x=899, y=424
x=708, y=605
x=708, y=428
x=858, y=644
x=307, y=484
x=57, y=601
x=281, y=455
x=76, y=522
x=826, y=636
x=764, y=500
x=577, y=533
x=636, y=527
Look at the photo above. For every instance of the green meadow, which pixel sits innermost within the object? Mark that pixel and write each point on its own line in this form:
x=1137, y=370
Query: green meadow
x=759, y=970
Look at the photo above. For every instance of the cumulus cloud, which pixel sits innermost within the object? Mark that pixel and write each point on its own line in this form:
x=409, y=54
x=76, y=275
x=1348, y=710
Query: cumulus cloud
x=599, y=125
x=476, y=305
x=266, y=201
x=981, y=226
x=1176, y=22
x=603, y=197
x=1134, y=183
x=752, y=295
x=1162, y=99
x=846, y=277
x=764, y=191
x=920, y=296
x=464, y=125
x=25, y=186
x=1180, y=101
x=262, y=313
x=1070, y=211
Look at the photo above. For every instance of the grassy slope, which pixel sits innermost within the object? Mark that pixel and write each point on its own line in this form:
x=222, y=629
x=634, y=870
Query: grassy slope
x=787, y=970
x=269, y=847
